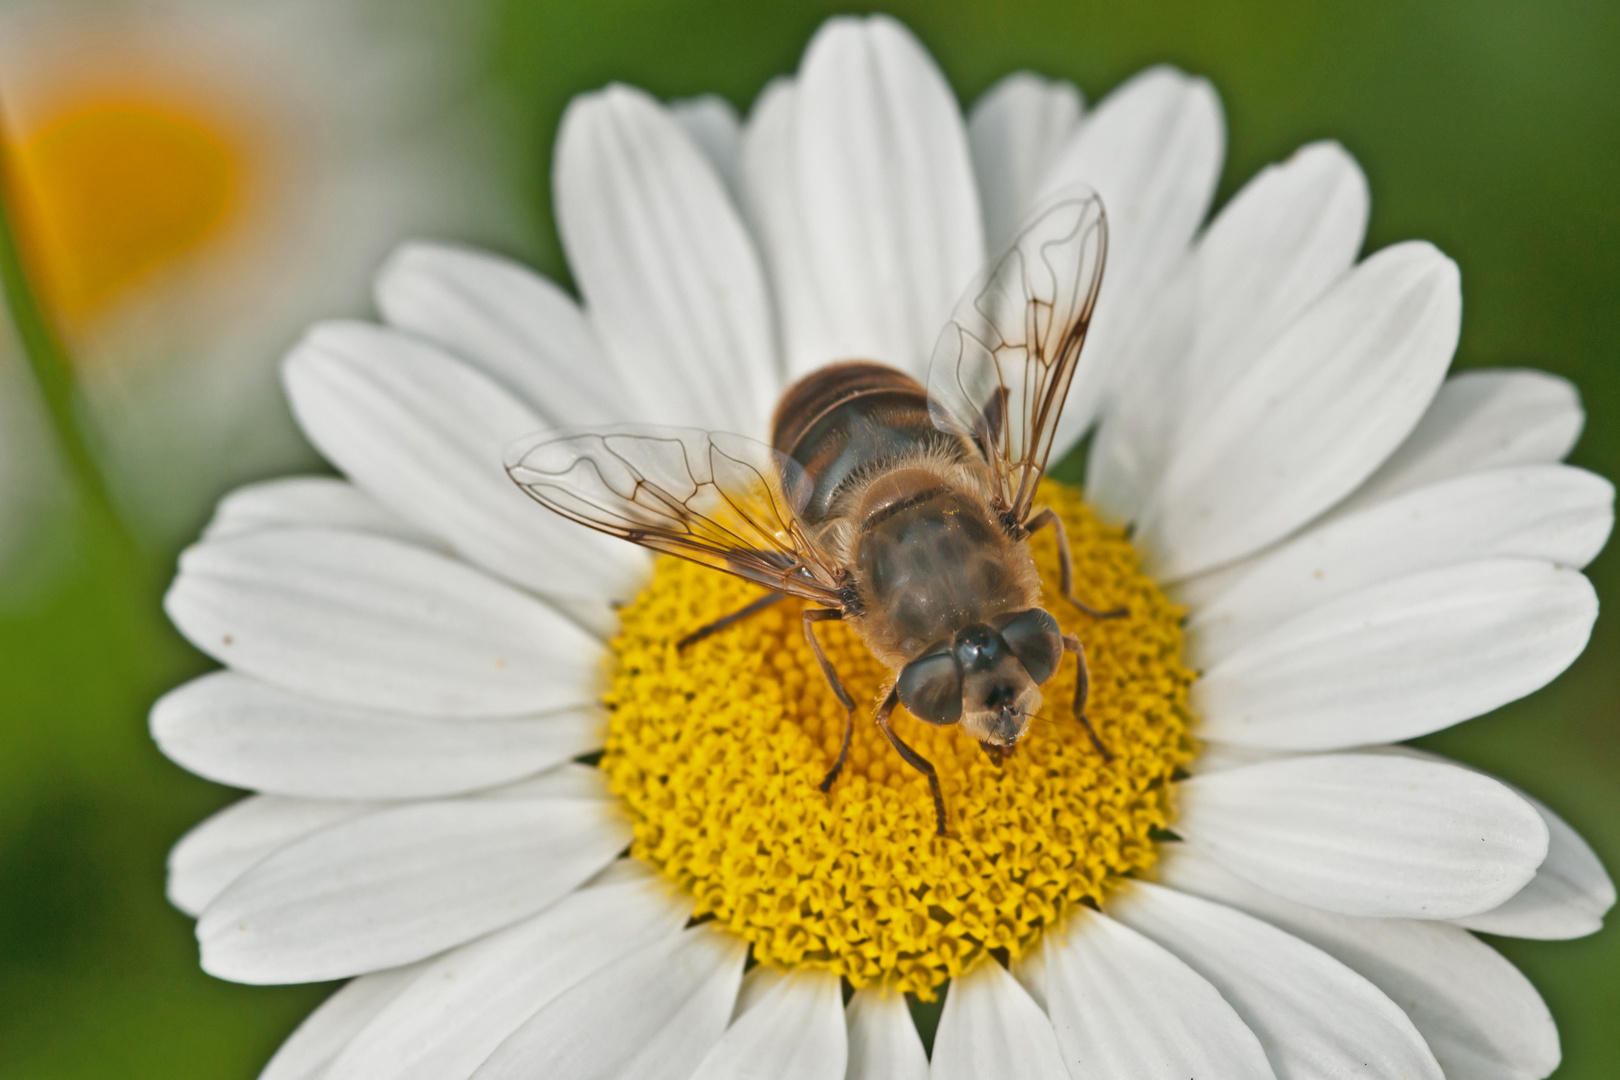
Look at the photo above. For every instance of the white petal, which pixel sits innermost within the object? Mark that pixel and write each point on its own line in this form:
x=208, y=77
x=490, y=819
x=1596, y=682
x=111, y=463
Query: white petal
x=509, y=322
x=712, y=122
x=309, y=1050
x=1479, y=421
x=571, y=781
x=1152, y=149
x=771, y=203
x=1479, y=1015
x=760, y=981
x=1312, y=417
x=991, y=1028
x=794, y=1031
x=1567, y=898
x=1551, y=513
x=1315, y=1017
x=886, y=197
x=1282, y=241
x=670, y=278
x=1289, y=234
x=295, y=502
x=364, y=621
x=238, y=731
x=449, y=1021
x=651, y=1015
x=1491, y=419
x=1135, y=437
x=424, y=435
x=1031, y=973
x=1367, y=834
x=1015, y=130
x=1400, y=659
x=1220, y=756
x=403, y=883
x=223, y=847
x=1571, y=891
x=883, y=1041
x=1125, y=1007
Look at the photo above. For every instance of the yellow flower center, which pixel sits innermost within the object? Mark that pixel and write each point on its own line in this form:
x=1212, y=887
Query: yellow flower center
x=718, y=752
x=116, y=186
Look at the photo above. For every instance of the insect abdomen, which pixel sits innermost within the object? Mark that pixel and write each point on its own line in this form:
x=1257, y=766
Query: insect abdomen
x=840, y=420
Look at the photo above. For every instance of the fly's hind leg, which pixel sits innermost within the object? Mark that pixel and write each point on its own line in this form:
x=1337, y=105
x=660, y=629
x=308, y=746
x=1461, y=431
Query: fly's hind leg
x=1066, y=566
x=1082, y=690
x=726, y=620
x=815, y=615
x=914, y=759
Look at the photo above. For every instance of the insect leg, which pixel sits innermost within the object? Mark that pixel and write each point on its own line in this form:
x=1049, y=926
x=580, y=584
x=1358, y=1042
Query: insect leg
x=1082, y=690
x=1066, y=565
x=914, y=759
x=815, y=615
x=726, y=620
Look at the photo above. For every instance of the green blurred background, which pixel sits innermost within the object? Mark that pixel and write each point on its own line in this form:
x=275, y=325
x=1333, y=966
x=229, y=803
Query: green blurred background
x=1490, y=128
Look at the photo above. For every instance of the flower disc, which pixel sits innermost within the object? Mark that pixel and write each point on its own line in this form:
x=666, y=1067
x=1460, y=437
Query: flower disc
x=718, y=752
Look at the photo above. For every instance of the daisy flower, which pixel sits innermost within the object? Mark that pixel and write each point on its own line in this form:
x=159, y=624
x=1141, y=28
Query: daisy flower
x=543, y=842
x=195, y=180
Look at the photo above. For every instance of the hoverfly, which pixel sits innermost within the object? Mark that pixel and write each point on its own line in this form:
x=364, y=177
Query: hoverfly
x=902, y=511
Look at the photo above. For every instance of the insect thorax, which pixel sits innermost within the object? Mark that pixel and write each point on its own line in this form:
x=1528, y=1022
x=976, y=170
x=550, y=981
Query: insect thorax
x=932, y=562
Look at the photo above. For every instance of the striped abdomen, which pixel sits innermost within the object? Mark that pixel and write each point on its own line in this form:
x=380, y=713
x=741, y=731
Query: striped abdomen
x=845, y=418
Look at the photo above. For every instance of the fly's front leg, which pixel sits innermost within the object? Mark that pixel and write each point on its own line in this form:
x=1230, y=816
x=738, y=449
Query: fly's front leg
x=1082, y=690
x=1066, y=565
x=815, y=615
x=726, y=620
x=914, y=759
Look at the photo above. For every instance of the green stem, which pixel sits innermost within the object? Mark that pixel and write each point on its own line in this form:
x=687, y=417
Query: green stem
x=48, y=360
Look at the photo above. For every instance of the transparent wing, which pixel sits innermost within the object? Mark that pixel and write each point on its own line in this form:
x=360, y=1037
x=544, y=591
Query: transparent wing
x=1003, y=364
x=715, y=498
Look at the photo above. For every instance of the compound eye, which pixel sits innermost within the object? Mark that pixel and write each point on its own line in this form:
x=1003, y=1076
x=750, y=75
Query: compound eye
x=931, y=688
x=1034, y=637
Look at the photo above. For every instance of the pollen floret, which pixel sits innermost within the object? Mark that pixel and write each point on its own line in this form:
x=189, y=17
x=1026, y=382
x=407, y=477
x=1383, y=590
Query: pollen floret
x=718, y=752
